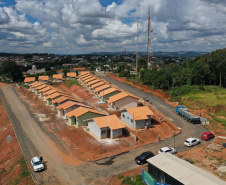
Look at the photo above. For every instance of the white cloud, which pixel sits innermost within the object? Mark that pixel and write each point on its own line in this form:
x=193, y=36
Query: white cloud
x=69, y=26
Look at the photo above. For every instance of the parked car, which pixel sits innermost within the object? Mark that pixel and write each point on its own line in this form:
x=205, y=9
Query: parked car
x=146, y=98
x=207, y=136
x=37, y=164
x=191, y=141
x=188, y=160
x=166, y=150
x=142, y=158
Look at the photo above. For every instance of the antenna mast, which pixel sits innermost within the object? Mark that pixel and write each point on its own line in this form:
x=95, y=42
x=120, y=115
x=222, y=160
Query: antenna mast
x=137, y=55
x=149, y=40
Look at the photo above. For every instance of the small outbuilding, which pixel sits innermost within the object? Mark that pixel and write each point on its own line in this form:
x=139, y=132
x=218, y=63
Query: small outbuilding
x=77, y=116
x=106, y=127
x=170, y=169
x=137, y=117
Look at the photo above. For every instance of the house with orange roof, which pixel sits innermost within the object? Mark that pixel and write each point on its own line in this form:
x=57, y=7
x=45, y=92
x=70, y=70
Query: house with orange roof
x=43, y=79
x=32, y=84
x=137, y=117
x=86, y=78
x=93, y=82
x=52, y=97
x=42, y=91
x=106, y=127
x=105, y=95
x=29, y=80
x=57, y=77
x=72, y=75
x=79, y=69
x=101, y=88
x=89, y=80
x=63, y=99
x=123, y=100
x=35, y=85
x=77, y=116
x=67, y=107
x=37, y=89
x=47, y=93
x=83, y=75
x=94, y=86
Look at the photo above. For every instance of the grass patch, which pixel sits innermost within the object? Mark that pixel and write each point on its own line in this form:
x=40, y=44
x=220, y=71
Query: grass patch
x=120, y=176
x=24, y=169
x=131, y=181
x=71, y=82
x=219, y=120
x=3, y=171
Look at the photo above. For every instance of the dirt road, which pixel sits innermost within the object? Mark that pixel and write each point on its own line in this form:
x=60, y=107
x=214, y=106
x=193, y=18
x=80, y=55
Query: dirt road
x=35, y=141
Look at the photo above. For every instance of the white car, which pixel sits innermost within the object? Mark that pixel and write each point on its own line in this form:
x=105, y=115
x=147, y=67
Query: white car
x=37, y=164
x=166, y=150
x=191, y=141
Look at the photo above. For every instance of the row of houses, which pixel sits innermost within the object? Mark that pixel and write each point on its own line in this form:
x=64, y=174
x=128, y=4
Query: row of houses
x=46, y=79
x=78, y=114
x=134, y=117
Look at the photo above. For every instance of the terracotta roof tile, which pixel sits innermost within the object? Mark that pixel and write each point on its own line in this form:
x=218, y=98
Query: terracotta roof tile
x=120, y=96
x=87, y=77
x=112, y=121
x=69, y=104
x=43, y=78
x=80, y=68
x=58, y=76
x=72, y=74
x=97, y=85
x=84, y=73
x=140, y=113
x=81, y=110
x=45, y=89
x=101, y=88
x=37, y=85
x=47, y=93
x=108, y=91
x=40, y=87
x=89, y=80
x=63, y=98
x=54, y=95
x=94, y=81
x=29, y=79
x=33, y=83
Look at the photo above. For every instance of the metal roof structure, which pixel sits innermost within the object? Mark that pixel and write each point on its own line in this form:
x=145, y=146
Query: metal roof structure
x=183, y=171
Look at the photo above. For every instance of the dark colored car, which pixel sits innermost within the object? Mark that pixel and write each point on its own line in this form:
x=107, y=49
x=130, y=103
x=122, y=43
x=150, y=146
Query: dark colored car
x=146, y=98
x=142, y=158
x=207, y=136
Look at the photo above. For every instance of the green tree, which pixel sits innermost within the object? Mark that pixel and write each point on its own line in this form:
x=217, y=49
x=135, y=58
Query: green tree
x=11, y=70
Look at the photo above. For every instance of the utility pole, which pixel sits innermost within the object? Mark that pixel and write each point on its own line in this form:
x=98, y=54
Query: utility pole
x=137, y=55
x=149, y=40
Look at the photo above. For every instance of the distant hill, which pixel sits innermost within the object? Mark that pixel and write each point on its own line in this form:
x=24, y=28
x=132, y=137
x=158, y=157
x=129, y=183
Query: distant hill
x=157, y=53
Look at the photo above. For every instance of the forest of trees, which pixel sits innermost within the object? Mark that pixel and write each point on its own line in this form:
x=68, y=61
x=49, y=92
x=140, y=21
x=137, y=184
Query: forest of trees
x=209, y=69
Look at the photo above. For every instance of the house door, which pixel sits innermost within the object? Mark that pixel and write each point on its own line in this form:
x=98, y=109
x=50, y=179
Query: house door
x=108, y=133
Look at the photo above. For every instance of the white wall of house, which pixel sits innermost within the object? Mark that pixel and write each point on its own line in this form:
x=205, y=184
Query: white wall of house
x=139, y=124
x=127, y=102
x=94, y=129
x=62, y=112
x=116, y=133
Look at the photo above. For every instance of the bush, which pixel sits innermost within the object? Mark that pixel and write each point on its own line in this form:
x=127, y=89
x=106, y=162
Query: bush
x=71, y=82
x=138, y=178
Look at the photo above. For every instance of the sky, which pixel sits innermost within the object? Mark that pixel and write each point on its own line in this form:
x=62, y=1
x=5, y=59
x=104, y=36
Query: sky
x=85, y=26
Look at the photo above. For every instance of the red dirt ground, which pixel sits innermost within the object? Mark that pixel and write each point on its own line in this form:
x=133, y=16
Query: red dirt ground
x=78, y=141
x=10, y=153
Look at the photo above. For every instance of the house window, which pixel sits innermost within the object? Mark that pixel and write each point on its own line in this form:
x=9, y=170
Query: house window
x=131, y=120
x=103, y=132
x=123, y=115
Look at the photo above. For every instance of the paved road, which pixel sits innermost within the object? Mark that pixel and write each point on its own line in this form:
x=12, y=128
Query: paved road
x=36, y=140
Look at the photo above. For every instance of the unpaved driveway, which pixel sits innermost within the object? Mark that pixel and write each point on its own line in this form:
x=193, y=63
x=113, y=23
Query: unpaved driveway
x=35, y=141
